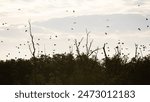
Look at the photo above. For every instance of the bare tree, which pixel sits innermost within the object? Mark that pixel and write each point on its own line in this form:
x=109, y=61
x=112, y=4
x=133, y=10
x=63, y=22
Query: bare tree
x=96, y=53
x=136, y=50
x=77, y=44
x=34, y=71
x=32, y=40
x=87, y=42
x=88, y=45
x=104, y=49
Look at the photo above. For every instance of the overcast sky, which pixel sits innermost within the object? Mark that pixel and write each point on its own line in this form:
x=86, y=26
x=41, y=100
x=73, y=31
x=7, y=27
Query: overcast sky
x=61, y=21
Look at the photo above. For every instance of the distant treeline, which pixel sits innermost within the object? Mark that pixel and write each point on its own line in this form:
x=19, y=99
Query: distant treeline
x=66, y=69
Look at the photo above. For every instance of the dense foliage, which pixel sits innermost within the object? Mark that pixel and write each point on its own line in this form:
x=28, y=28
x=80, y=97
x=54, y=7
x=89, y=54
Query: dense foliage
x=66, y=69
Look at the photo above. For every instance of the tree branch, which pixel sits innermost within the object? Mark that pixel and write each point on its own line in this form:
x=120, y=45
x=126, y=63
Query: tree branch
x=32, y=40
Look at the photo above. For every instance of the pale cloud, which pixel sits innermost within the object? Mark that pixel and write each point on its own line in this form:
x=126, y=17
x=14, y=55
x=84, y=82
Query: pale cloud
x=39, y=10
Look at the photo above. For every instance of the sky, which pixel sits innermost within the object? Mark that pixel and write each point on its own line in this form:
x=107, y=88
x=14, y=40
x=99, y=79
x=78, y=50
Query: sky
x=57, y=23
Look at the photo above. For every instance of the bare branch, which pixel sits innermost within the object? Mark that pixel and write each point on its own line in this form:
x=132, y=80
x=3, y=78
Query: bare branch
x=105, y=50
x=80, y=41
x=87, y=32
x=136, y=52
x=90, y=45
x=93, y=51
x=77, y=44
x=87, y=41
x=96, y=53
x=77, y=48
x=32, y=40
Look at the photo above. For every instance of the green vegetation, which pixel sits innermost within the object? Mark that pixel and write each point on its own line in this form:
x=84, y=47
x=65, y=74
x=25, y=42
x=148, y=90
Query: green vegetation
x=66, y=69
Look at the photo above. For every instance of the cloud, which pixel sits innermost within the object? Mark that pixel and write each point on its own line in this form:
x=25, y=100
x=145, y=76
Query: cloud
x=39, y=10
x=98, y=23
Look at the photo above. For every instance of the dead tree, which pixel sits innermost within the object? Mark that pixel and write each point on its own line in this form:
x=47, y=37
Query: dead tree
x=32, y=41
x=104, y=49
x=89, y=52
x=96, y=53
x=136, y=50
x=88, y=45
x=34, y=70
x=87, y=42
x=77, y=44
